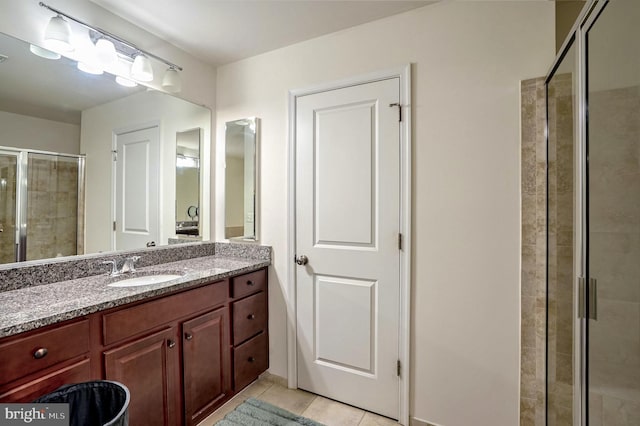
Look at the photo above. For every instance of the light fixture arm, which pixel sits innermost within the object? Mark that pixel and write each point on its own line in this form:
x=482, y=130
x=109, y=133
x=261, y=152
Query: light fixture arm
x=108, y=34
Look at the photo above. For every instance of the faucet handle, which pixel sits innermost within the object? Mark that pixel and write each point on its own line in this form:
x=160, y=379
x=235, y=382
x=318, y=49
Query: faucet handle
x=114, y=268
x=130, y=264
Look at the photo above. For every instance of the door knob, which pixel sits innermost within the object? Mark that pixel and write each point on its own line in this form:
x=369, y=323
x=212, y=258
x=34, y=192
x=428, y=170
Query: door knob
x=302, y=260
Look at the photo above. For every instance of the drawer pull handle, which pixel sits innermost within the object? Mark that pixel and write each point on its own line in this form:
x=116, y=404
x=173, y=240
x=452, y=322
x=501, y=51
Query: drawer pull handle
x=188, y=336
x=40, y=353
x=251, y=283
x=251, y=316
x=171, y=343
x=251, y=359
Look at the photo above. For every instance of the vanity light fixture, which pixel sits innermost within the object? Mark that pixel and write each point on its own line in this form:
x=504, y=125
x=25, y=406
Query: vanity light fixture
x=123, y=81
x=109, y=48
x=57, y=35
x=141, y=69
x=171, y=81
x=43, y=53
x=90, y=68
x=106, y=52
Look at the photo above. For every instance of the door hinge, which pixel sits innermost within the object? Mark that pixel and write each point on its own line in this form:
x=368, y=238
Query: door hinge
x=399, y=241
x=398, y=368
x=114, y=225
x=399, y=109
x=115, y=155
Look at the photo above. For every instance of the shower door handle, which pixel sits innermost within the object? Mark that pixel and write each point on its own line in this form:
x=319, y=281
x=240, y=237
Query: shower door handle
x=593, y=299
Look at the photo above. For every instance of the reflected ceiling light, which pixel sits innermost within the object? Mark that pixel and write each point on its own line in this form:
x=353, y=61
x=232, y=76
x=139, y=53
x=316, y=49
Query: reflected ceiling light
x=57, y=35
x=123, y=81
x=43, y=53
x=141, y=69
x=106, y=52
x=171, y=81
x=90, y=68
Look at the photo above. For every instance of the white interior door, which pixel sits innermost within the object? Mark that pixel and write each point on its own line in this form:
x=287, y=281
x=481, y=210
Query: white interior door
x=136, y=194
x=347, y=225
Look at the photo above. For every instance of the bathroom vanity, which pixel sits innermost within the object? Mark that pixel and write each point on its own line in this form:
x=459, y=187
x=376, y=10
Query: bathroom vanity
x=182, y=348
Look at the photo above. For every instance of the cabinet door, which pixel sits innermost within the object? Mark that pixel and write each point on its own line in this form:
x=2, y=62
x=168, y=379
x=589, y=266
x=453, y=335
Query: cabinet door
x=150, y=368
x=207, y=363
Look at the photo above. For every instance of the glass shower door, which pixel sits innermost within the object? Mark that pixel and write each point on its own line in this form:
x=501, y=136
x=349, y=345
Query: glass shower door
x=8, y=183
x=613, y=215
x=52, y=215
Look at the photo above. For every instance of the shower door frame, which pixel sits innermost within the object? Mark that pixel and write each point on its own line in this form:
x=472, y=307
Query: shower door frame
x=577, y=38
x=22, y=187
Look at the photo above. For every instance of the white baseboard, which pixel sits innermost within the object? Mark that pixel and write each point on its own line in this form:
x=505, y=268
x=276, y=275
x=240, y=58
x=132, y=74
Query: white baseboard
x=418, y=422
x=278, y=380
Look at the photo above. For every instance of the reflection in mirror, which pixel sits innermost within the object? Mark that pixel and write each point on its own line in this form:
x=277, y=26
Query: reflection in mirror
x=51, y=106
x=188, y=182
x=240, y=179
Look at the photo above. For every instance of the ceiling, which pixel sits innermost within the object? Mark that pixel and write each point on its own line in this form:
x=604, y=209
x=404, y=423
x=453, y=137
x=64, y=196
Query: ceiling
x=224, y=31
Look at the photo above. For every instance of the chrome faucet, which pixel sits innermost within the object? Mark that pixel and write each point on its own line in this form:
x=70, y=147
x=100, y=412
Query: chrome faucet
x=128, y=266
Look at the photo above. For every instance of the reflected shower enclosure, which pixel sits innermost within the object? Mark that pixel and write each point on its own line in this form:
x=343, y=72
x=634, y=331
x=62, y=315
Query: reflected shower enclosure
x=41, y=205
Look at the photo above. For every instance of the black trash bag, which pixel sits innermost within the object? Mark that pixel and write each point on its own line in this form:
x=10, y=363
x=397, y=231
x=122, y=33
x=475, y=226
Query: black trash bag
x=97, y=403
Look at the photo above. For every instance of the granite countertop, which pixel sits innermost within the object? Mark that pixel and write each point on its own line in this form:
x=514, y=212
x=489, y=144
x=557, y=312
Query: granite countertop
x=32, y=307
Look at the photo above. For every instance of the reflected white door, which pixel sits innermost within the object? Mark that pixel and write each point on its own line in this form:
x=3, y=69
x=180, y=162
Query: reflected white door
x=347, y=224
x=136, y=194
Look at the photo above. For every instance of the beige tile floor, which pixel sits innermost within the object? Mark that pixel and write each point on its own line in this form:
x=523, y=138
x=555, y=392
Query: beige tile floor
x=323, y=410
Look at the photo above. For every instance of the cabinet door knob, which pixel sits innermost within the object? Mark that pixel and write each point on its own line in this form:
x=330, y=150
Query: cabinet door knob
x=40, y=353
x=250, y=283
x=251, y=359
x=188, y=336
x=251, y=316
x=171, y=343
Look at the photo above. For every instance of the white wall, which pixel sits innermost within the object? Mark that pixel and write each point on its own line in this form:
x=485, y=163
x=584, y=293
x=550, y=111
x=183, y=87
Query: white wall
x=467, y=60
x=98, y=126
x=22, y=131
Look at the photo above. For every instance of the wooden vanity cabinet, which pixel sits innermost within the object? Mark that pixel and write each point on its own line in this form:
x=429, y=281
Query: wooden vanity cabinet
x=250, y=328
x=183, y=364
x=181, y=355
x=40, y=361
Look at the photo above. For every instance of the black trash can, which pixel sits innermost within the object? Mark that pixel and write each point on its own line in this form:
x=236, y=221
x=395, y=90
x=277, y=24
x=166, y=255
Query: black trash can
x=94, y=403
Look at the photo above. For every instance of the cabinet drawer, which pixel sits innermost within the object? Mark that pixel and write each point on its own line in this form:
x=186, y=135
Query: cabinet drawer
x=246, y=284
x=250, y=359
x=74, y=373
x=18, y=357
x=130, y=322
x=249, y=317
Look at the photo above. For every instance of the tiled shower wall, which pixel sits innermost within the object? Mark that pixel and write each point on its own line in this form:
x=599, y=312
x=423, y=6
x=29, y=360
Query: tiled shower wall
x=560, y=267
x=533, y=280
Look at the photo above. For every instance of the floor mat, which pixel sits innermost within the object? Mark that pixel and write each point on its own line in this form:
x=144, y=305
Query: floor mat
x=254, y=412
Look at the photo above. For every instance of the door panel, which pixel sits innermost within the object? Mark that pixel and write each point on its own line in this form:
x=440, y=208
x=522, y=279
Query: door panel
x=347, y=224
x=207, y=363
x=148, y=367
x=137, y=177
x=613, y=215
x=8, y=180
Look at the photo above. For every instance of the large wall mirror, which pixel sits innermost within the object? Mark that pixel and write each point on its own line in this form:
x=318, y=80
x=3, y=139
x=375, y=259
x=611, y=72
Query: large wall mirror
x=241, y=147
x=188, y=182
x=53, y=114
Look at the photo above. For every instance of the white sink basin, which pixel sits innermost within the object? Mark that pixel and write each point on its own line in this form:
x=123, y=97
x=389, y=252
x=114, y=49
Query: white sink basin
x=144, y=280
